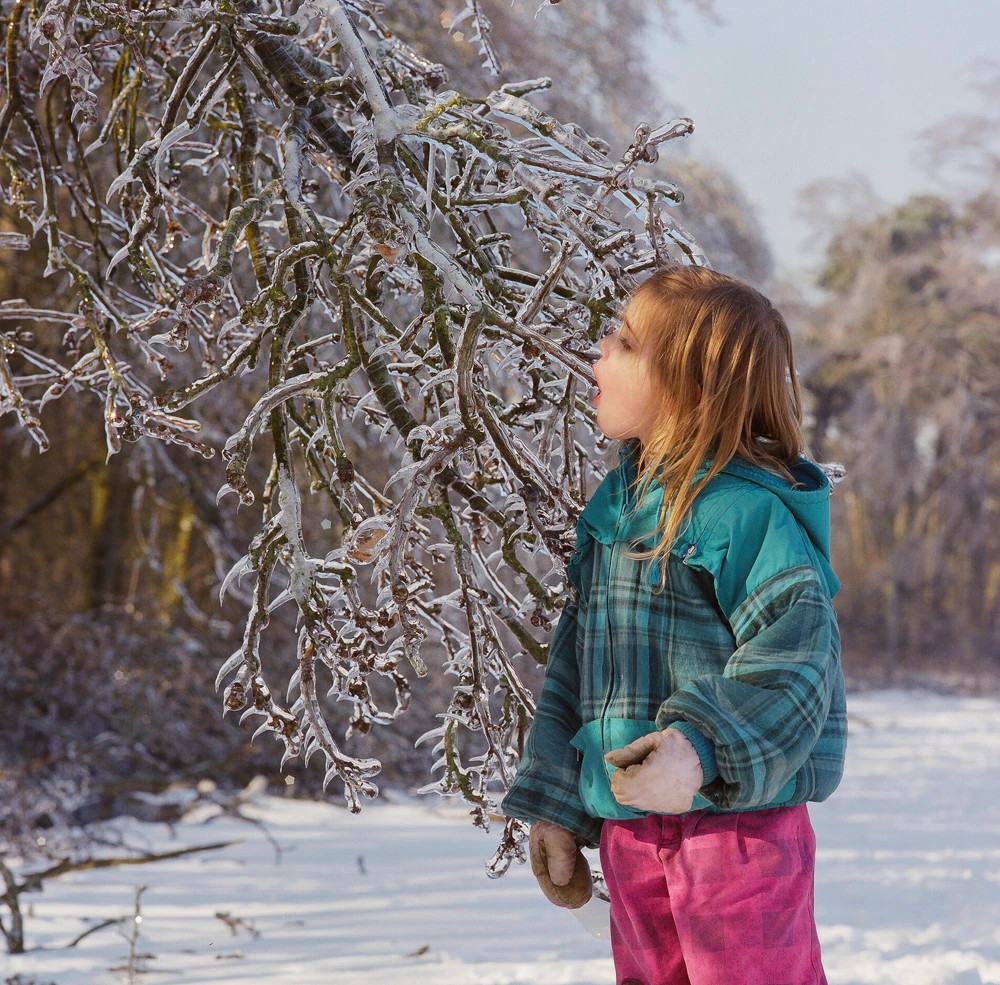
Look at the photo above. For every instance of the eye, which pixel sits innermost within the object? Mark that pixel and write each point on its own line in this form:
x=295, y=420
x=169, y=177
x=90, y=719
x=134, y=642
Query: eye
x=625, y=344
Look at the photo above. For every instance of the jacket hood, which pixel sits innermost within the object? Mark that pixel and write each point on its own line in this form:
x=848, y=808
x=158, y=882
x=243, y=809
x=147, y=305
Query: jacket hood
x=808, y=501
x=612, y=515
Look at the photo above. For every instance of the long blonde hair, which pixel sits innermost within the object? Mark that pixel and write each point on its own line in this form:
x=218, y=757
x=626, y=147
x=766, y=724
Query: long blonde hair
x=721, y=359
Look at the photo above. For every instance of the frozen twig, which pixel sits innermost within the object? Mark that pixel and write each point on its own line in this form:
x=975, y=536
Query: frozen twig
x=372, y=276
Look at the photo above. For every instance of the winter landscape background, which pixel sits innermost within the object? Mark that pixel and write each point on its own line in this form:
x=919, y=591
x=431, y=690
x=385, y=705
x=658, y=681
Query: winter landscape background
x=115, y=541
x=907, y=883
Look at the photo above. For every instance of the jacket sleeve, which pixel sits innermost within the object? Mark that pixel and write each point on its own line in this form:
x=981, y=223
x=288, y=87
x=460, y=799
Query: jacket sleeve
x=546, y=786
x=755, y=724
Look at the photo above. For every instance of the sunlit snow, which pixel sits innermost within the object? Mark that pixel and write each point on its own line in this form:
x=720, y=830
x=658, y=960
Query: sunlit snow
x=908, y=883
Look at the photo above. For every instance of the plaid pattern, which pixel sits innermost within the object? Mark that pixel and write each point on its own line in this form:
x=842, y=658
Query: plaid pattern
x=699, y=899
x=777, y=711
x=740, y=651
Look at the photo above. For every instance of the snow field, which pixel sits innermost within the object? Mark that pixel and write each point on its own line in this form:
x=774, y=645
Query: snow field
x=908, y=883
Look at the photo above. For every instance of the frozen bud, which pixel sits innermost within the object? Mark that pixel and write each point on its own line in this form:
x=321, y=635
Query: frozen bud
x=345, y=471
x=380, y=228
x=435, y=77
x=200, y=289
x=386, y=252
x=236, y=696
x=366, y=541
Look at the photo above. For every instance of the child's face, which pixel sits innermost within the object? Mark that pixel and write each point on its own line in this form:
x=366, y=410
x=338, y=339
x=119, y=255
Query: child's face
x=626, y=400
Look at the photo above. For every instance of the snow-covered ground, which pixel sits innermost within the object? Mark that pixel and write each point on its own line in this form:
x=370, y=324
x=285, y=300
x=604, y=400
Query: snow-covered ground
x=908, y=884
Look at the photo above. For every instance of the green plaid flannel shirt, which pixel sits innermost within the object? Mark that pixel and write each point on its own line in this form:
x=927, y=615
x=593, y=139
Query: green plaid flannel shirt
x=740, y=652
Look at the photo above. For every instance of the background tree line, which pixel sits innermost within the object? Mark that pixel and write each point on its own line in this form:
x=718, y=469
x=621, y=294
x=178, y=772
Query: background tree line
x=903, y=368
x=109, y=570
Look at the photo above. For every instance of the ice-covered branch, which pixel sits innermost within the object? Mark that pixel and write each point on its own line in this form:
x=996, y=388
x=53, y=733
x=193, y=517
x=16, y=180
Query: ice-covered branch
x=372, y=276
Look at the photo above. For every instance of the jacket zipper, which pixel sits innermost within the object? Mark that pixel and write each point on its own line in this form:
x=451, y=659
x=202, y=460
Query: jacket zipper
x=610, y=638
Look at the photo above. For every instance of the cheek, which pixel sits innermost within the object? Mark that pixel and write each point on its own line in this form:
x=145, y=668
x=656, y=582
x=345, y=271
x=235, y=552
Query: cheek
x=649, y=396
x=639, y=399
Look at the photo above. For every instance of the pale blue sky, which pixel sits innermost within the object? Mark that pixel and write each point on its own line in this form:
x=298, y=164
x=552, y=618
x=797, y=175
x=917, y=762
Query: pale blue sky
x=788, y=91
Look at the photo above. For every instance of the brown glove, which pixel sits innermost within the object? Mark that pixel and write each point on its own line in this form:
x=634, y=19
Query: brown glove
x=559, y=865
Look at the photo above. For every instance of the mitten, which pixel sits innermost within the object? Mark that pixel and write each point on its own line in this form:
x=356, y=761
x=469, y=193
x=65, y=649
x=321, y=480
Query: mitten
x=559, y=865
x=659, y=772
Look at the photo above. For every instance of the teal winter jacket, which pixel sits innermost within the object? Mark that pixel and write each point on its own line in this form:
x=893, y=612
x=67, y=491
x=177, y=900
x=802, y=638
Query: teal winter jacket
x=740, y=651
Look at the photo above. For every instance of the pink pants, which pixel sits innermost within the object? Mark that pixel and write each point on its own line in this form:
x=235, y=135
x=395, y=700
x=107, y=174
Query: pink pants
x=713, y=899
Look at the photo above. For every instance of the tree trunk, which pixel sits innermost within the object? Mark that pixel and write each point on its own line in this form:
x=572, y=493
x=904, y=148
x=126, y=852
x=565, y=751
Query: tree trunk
x=111, y=490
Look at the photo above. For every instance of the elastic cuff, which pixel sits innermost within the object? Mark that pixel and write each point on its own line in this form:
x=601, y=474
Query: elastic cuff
x=528, y=809
x=702, y=746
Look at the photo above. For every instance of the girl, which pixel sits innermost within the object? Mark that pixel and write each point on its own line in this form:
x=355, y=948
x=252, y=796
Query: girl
x=693, y=699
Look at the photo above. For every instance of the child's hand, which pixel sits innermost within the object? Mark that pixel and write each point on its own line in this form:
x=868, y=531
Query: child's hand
x=559, y=865
x=660, y=772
